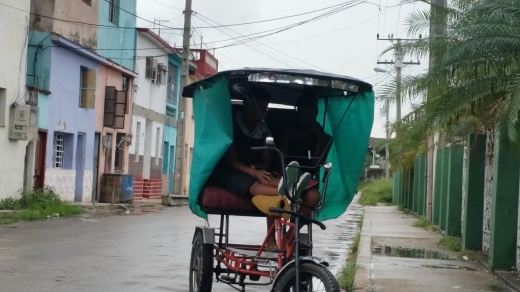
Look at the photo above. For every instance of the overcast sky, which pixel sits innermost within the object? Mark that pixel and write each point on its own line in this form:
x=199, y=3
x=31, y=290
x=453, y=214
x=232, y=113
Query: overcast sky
x=344, y=43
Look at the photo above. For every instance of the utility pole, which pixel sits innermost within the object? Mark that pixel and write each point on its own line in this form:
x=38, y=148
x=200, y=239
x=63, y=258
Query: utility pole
x=387, y=129
x=398, y=65
x=437, y=28
x=181, y=121
x=158, y=21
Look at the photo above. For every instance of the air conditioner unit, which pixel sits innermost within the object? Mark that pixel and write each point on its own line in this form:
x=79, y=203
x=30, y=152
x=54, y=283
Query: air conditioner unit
x=161, y=74
x=20, y=116
x=154, y=70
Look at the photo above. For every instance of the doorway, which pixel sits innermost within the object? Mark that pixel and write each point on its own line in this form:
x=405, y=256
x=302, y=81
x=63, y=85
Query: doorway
x=171, y=169
x=80, y=167
x=96, y=166
x=39, y=163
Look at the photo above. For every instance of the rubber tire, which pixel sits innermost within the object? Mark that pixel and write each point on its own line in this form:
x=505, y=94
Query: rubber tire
x=206, y=265
x=319, y=271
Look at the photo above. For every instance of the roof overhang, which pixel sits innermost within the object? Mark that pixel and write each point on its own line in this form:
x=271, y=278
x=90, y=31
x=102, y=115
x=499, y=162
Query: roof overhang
x=65, y=43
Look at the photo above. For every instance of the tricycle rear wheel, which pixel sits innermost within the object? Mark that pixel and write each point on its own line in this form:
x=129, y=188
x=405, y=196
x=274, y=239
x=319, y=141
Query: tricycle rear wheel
x=308, y=270
x=201, y=264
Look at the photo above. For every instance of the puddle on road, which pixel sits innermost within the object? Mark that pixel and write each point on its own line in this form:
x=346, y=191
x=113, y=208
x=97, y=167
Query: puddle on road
x=450, y=267
x=401, y=252
x=335, y=243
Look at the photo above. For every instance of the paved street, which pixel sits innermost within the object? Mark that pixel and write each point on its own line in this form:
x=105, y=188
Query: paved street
x=150, y=252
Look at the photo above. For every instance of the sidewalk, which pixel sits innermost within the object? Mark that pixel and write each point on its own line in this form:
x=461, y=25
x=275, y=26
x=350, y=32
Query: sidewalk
x=395, y=256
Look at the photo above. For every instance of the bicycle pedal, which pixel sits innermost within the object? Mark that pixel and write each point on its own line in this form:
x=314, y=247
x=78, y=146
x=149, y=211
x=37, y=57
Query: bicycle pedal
x=228, y=279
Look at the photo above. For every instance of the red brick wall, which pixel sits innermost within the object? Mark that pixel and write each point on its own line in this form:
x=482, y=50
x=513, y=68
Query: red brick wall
x=152, y=188
x=138, y=188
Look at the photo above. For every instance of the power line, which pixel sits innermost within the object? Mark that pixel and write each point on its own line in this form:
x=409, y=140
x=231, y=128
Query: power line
x=257, y=50
x=166, y=5
x=287, y=27
x=333, y=31
x=274, y=19
x=319, y=17
x=71, y=21
x=270, y=48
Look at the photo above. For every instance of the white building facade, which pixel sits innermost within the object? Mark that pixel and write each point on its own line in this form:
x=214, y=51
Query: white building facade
x=149, y=109
x=16, y=150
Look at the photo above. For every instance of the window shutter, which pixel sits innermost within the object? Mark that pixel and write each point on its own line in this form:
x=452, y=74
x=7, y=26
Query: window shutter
x=109, y=113
x=120, y=110
x=88, y=88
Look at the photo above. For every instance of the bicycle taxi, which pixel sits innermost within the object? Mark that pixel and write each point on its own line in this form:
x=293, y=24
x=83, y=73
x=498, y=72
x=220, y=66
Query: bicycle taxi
x=345, y=113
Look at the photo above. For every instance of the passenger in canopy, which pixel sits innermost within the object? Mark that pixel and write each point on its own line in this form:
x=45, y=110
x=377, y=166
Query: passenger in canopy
x=307, y=143
x=308, y=139
x=244, y=173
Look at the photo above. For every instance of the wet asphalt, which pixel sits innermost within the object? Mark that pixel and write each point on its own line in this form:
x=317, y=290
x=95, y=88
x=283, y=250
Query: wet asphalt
x=148, y=252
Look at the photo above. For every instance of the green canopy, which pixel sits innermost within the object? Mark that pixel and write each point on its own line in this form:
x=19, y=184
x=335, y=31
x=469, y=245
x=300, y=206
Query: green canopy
x=348, y=120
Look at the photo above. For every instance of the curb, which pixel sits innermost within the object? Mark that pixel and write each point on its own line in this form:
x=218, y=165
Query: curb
x=363, y=278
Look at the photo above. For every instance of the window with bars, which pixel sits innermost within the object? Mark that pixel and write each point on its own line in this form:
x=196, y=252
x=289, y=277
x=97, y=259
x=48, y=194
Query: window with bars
x=59, y=150
x=172, y=85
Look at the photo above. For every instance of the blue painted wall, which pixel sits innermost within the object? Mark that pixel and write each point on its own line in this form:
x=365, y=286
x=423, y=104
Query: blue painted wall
x=43, y=111
x=170, y=139
x=119, y=35
x=176, y=60
x=65, y=115
x=170, y=133
x=39, y=64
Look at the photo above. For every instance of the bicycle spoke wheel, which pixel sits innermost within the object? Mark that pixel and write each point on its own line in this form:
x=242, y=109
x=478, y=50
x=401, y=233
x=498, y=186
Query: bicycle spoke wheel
x=313, y=278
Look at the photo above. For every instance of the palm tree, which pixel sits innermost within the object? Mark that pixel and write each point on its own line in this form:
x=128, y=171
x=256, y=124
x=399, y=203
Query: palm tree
x=474, y=79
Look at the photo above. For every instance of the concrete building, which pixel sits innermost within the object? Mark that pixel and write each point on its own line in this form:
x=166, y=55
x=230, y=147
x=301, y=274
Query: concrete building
x=15, y=173
x=149, y=114
x=83, y=101
x=170, y=123
x=113, y=132
x=116, y=21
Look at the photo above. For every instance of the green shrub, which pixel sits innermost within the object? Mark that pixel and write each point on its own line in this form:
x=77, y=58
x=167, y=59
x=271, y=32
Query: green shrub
x=451, y=243
x=10, y=204
x=42, y=198
x=36, y=205
x=376, y=191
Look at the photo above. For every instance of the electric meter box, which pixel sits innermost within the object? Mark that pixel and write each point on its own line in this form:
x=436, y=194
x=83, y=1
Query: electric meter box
x=19, y=122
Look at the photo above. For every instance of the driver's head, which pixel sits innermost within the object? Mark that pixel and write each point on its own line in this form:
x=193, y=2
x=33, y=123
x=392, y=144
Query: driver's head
x=256, y=107
x=307, y=110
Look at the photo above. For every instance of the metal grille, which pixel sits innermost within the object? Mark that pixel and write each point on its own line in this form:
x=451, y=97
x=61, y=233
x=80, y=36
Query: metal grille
x=59, y=143
x=172, y=85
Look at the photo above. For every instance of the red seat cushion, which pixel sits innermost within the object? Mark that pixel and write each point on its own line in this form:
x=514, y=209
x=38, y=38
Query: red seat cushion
x=219, y=199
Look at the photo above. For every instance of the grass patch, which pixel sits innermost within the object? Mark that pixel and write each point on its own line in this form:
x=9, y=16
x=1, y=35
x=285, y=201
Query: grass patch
x=423, y=223
x=375, y=191
x=36, y=205
x=349, y=270
x=451, y=243
x=403, y=209
x=467, y=254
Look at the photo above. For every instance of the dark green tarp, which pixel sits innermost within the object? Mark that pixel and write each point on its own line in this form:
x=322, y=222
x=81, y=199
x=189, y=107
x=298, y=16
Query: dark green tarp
x=350, y=130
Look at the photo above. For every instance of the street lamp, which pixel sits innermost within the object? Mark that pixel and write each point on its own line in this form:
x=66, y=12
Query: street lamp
x=387, y=126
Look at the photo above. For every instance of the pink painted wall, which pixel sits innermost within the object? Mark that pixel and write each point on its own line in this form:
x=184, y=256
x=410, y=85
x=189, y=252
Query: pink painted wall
x=111, y=77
